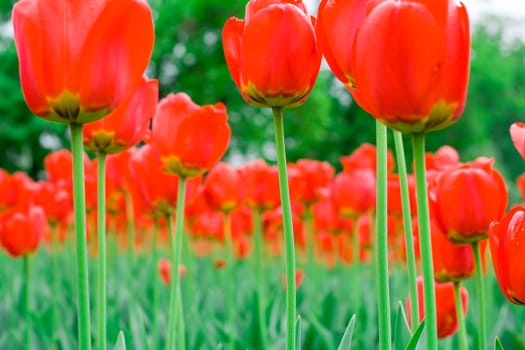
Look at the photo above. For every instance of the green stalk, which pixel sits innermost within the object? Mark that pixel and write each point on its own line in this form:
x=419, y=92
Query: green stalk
x=27, y=301
x=383, y=293
x=176, y=248
x=181, y=339
x=56, y=279
x=356, y=269
x=407, y=225
x=131, y=230
x=462, y=331
x=154, y=318
x=481, y=298
x=102, y=263
x=257, y=257
x=425, y=244
x=287, y=227
x=230, y=280
x=310, y=239
x=79, y=204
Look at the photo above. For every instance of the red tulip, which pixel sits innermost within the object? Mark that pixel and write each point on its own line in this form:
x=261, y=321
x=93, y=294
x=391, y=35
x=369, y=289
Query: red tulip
x=365, y=157
x=164, y=266
x=506, y=238
x=79, y=60
x=191, y=139
x=56, y=201
x=7, y=191
x=445, y=157
x=221, y=188
x=259, y=185
x=394, y=194
x=447, y=321
x=520, y=182
x=405, y=62
x=126, y=126
x=354, y=193
x=466, y=199
x=272, y=55
x=22, y=229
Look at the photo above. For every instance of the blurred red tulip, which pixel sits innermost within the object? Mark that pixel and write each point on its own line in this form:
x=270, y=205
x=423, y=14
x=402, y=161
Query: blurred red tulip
x=56, y=201
x=506, y=237
x=22, y=229
x=191, y=139
x=467, y=198
x=354, y=193
x=164, y=267
x=7, y=191
x=259, y=185
x=221, y=188
x=405, y=62
x=395, y=206
x=447, y=321
x=127, y=124
x=313, y=175
x=365, y=157
x=79, y=60
x=517, y=134
x=272, y=55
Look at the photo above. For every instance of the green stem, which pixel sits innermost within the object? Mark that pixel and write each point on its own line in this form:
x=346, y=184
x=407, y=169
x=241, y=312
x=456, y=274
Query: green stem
x=79, y=204
x=481, y=298
x=102, y=263
x=407, y=225
x=230, y=280
x=310, y=239
x=425, y=244
x=176, y=248
x=462, y=331
x=56, y=280
x=131, y=230
x=356, y=268
x=27, y=300
x=287, y=227
x=181, y=339
x=383, y=294
x=154, y=318
x=257, y=257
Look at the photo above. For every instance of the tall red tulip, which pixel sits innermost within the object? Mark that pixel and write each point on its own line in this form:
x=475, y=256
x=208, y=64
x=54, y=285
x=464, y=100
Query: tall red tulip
x=468, y=198
x=272, y=54
x=79, y=60
x=126, y=126
x=506, y=238
x=190, y=138
x=405, y=62
x=22, y=229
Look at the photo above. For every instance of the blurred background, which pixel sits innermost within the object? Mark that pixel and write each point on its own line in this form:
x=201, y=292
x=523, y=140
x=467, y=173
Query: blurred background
x=188, y=57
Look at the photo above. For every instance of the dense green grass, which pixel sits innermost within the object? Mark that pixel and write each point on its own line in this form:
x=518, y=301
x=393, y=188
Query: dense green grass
x=327, y=299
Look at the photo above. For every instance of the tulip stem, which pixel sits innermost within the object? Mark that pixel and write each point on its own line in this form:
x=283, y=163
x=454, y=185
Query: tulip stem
x=130, y=224
x=407, y=225
x=79, y=204
x=383, y=294
x=56, y=279
x=257, y=257
x=27, y=316
x=462, y=332
x=425, y=244
x=176, y=249
x=230, y=280
x=155, y=297
x=102, y=263
x=481, y=297
x=287, y=227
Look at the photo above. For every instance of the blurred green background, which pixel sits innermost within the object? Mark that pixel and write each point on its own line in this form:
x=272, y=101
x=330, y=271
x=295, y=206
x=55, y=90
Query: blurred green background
x=188, y=57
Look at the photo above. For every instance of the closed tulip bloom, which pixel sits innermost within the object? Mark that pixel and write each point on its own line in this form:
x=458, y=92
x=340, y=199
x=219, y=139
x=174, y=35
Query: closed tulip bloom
x=190, y=138
x=447, y=320
x=259, y=185
x=126, y=126
x=272, y=54
x=405, y=62
x=365, y=157
x=79, y=60
x=467, y=198
x=354, y=193
x=507, y=239
x=313, y=175
x=7, y=192
x=221, y=188
x=22, y=229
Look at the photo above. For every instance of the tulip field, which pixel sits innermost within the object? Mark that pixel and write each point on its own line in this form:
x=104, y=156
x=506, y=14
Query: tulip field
x=150, y=229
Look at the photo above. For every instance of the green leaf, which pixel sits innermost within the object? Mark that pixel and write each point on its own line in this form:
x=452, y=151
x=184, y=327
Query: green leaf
x=412, y=344
x=401, y=328
x=137, y=328
x=497, y=344
x=298, y=333
x=322, y=331
x=346, y=340
x=121, y=342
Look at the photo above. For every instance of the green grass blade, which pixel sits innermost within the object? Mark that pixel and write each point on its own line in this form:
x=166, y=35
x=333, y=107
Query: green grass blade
x=121, y=342
x=412, y=344
x=346, y=340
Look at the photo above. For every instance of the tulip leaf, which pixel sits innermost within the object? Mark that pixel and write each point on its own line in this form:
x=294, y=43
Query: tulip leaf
x=298, y=333
x=346, y=340
x=138, y=329
x=401, y=328
x=412, y=344
x=323, y=332
x=497, y=344
x=121, y=342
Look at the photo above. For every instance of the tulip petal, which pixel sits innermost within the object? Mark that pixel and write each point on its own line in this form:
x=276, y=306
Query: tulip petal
x=517, y=134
